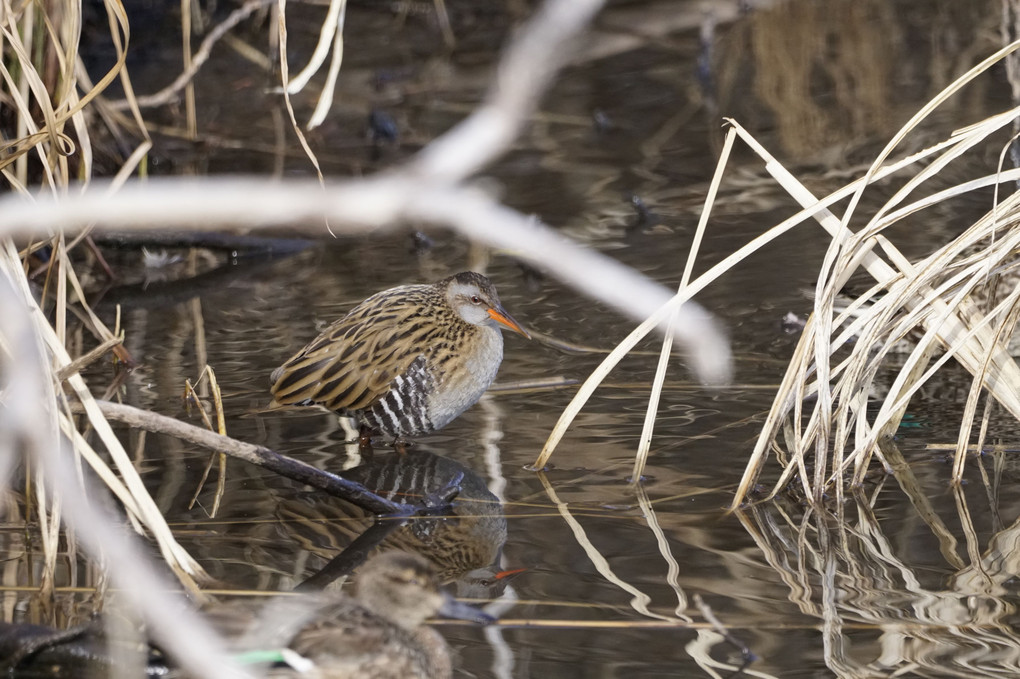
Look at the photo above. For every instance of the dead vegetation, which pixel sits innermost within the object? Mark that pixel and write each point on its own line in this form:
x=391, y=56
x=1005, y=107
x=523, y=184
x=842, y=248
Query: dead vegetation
x=823, y=434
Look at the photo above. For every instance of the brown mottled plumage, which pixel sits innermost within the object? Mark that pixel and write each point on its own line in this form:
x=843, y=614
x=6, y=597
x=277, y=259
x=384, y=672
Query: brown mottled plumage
x=377, y=634
x=406, y=361
x=462, y=544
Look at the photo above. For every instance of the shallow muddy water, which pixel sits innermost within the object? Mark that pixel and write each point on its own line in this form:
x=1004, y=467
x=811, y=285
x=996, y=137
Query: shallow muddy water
x=619, y=157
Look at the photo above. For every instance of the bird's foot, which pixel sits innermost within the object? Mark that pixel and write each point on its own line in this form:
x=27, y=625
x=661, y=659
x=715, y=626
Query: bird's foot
x=365, y=440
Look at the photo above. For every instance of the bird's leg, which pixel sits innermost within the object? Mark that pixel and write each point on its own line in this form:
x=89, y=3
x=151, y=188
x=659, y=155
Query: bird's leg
x=365, y=439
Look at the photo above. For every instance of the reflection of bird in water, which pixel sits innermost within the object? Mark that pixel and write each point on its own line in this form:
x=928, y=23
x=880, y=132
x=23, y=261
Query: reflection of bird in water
x=406, y=361
x=377, y=634
x=462, y=545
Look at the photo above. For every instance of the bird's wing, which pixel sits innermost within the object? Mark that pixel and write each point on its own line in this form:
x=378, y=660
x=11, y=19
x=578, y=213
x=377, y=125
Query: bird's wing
x=330, y=629
x=353, y=363
x=361, y=645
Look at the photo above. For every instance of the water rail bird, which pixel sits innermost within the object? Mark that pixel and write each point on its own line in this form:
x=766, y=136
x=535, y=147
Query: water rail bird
x=406, y=361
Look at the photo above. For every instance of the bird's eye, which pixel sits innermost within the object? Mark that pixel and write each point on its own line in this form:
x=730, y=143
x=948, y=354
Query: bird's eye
x=475, y=299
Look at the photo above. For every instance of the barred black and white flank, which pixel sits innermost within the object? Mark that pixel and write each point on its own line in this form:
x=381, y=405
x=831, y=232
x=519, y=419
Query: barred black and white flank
x=406, y=361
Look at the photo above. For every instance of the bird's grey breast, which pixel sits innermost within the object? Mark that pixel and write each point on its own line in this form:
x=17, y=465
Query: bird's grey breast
x=467, y=379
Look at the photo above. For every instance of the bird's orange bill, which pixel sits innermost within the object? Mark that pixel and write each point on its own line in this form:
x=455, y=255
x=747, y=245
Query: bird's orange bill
x=508, y=575
x=508, y=320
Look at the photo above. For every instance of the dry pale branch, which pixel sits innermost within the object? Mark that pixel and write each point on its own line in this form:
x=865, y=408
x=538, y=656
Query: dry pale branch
x=420, y=191
x=360, y=206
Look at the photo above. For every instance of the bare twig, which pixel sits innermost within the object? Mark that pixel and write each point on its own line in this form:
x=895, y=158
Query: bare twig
x=82, y=362
x=360, y=206
x=258, y=455
x=170, y=93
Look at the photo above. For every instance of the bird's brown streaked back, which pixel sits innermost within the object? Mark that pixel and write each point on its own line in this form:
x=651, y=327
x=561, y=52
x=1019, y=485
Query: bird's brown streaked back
x=354, y=361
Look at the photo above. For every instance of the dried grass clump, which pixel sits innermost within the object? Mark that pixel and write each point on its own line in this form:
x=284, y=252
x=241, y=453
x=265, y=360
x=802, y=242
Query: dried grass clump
x=50, y=117
x=53, y=154
x=961, y=300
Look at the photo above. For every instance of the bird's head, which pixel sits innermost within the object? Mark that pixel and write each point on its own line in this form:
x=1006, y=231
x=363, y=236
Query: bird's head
x=473, y=297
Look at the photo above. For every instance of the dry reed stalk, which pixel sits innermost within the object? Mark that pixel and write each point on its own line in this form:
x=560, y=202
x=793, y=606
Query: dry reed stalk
x=645, y=442
x=33, y=421
x=49, y=139
x=332, y=32
x=281, y=33
x=191, y=396
x=547, y=623
x=52, y=148
x=37, y=364
x=147, y=512
x=811, y=208
x=190, y=114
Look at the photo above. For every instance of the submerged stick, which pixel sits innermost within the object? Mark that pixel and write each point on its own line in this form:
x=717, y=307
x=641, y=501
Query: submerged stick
x=257, y=455
x=82, y=362
x=350, y=558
